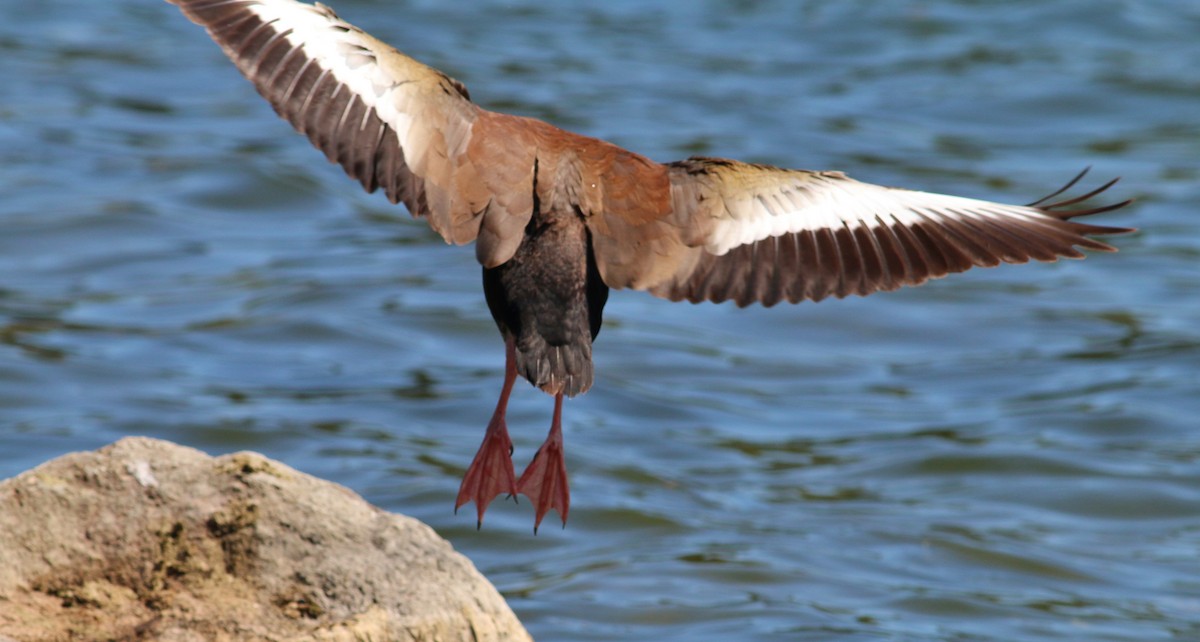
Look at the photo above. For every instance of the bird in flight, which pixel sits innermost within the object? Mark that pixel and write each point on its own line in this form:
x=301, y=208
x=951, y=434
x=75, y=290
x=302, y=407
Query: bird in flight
x=558, y=219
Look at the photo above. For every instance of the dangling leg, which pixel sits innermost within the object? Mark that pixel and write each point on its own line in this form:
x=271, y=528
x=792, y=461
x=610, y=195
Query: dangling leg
x=491, y=473
x=545, y=480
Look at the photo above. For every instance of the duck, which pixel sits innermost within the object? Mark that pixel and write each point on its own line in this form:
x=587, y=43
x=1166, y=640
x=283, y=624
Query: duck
x=559, y=219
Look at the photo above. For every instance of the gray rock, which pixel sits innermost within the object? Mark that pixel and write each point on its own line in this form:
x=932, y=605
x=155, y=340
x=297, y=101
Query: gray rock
x=148, y=540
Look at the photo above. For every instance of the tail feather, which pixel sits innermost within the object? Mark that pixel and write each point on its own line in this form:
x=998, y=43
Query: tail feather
x=565, y=368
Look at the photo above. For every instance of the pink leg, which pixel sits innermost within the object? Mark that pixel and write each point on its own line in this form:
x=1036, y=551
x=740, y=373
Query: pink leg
x=545, y=480
x=491, y=473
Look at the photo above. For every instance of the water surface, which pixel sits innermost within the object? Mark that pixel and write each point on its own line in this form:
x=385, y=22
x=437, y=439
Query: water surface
x=1006, y=454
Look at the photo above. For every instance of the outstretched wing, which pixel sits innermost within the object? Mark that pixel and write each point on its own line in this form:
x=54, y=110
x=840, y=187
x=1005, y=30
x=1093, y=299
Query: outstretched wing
x=700, y=229
x=391, y=122
x=754, y=233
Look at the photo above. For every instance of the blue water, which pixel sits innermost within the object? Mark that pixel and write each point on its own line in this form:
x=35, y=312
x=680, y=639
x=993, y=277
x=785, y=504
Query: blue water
x=1009, y=454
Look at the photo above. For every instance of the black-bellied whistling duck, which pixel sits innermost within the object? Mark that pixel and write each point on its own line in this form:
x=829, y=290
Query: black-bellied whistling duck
x=558, y=218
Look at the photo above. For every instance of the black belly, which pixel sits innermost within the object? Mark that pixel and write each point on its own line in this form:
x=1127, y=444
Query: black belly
x=549, y=299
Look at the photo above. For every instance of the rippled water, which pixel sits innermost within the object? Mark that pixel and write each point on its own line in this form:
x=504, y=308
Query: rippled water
x=1008, y=454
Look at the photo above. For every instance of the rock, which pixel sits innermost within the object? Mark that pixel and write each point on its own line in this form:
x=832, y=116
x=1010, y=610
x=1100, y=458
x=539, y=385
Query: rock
x=148, y=540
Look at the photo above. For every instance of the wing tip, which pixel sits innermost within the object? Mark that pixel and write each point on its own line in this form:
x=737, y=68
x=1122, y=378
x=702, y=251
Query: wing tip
x=1059, y=209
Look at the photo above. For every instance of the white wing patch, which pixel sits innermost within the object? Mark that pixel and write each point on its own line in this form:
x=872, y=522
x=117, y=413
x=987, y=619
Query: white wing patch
x=814, y=202
x=343, y=51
